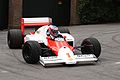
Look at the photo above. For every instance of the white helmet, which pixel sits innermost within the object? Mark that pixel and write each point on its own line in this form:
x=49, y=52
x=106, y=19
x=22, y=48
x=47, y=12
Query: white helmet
x=53, y=30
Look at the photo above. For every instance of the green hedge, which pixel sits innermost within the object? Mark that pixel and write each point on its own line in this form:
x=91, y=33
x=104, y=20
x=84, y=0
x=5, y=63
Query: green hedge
x=98, y=11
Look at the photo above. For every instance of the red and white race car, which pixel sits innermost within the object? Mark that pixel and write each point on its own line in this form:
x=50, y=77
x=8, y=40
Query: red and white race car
x=38, y=47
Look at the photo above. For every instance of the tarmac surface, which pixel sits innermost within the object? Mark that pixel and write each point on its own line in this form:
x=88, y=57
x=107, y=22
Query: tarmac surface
x=13, y=67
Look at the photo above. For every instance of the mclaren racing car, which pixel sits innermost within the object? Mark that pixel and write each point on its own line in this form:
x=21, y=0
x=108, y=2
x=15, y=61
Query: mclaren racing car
x=37, y=46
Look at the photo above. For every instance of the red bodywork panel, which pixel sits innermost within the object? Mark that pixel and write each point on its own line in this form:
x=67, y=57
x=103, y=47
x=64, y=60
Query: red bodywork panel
x=56, y=45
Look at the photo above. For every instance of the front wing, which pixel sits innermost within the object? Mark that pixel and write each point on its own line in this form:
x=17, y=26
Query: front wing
x=78, y=59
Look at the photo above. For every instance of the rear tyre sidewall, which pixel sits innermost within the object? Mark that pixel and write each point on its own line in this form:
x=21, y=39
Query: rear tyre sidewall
x=64, y=30
x=14, y=38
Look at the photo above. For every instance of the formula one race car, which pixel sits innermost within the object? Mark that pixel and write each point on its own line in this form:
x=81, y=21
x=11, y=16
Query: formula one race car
x=38, y=46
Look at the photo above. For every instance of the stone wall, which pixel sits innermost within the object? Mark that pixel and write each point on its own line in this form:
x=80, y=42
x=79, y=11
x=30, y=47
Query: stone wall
x=74, y=18
x=15, y=13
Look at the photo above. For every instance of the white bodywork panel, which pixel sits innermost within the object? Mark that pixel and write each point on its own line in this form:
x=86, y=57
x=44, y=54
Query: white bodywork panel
x=37, y=20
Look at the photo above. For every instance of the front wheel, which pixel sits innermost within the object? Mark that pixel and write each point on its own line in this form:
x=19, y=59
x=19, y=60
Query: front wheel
x=91, y=46
x=31, y=52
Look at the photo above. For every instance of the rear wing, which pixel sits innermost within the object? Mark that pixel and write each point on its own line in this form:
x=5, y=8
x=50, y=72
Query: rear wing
x=40, y=21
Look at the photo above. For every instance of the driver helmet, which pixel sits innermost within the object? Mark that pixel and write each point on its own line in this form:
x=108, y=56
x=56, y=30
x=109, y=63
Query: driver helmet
x=53, y=31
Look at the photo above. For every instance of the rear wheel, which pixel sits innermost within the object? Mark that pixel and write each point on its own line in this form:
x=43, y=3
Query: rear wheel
x=64, y=30
x=14, y=38
x=91, y=46
x=31, y=52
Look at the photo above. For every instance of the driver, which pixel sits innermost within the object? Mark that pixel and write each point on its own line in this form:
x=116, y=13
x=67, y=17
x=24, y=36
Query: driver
x=53, y=32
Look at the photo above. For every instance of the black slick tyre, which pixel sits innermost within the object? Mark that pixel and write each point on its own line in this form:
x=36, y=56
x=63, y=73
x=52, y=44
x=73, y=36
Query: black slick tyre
x=31, y=52
x=14, y=39
x=91, y=46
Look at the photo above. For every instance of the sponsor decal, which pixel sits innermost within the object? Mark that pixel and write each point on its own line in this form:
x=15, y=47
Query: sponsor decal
x=85, y=56
x=59, y=39
x=69, y=57
x=54, y=57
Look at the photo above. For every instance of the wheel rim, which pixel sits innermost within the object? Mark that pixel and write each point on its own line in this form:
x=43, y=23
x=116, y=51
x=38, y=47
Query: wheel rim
x=88, y=47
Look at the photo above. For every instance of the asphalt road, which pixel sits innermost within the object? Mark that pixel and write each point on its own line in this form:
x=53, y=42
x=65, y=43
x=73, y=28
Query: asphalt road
x=13, y=67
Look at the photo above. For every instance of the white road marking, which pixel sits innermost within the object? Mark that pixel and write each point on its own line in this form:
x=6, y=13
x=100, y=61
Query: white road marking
x=4, y=71
x=117, y=62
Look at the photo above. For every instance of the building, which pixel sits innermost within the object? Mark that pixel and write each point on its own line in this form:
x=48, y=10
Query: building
x=57, y=9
